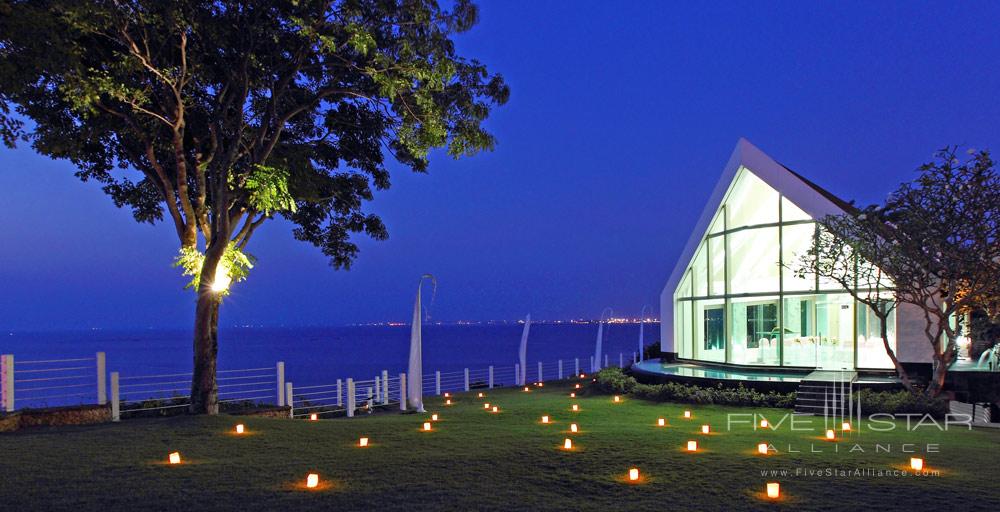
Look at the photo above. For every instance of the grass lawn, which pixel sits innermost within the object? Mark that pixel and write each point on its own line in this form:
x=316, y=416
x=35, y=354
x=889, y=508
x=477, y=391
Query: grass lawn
x=475, y=460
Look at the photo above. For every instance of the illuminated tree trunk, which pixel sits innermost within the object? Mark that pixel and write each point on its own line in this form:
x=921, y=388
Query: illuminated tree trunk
x=204, y=388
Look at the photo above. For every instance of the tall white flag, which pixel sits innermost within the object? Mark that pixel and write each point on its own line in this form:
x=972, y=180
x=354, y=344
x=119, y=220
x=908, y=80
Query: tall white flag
x=415, y=373
x=642, y=322
x=600, y=340
x=523, y=353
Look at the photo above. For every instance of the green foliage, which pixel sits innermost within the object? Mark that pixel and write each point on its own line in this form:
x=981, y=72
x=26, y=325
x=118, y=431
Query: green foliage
x=614, y=380
x=236, y=263
x=267, y=189
x=901, y=402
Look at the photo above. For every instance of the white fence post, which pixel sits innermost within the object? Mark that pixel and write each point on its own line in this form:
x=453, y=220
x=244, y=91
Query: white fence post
x=605, y=360
x=466, y=379
x=378, y=389
x=577, y=366
x=280, y=370
x=402, y=391
x=591, y=363
x=115, y=404
x=102, y=379
x=370, y=399
x=385, y=387
x=517, y=374
x=288, y=400
x=540, y=379
x=560, y=370
x=491, y=376
x=350, y=397
x=437, y=383
x=7, y=381
x=621, y=361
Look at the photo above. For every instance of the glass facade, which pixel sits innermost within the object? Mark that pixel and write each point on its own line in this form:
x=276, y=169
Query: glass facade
x=739, y=301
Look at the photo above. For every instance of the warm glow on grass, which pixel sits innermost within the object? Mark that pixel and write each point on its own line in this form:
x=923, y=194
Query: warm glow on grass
x=174, y=458
x=773, y=490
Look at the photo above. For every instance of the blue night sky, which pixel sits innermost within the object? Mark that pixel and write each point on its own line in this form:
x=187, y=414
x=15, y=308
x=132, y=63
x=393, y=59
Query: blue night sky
x=620, y=120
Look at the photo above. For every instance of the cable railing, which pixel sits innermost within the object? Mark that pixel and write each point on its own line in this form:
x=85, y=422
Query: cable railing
x=160, y=394
x=52, y=382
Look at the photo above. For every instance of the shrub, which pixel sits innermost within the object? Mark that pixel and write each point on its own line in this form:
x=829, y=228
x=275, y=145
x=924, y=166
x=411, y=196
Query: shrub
x=901, y=402
x=614, y=380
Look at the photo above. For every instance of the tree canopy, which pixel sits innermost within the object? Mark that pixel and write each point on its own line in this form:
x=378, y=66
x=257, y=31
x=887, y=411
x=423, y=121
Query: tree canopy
x=232, y=112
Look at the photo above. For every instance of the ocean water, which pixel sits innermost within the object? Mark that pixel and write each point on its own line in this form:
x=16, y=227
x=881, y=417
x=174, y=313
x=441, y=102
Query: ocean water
x=321, y=355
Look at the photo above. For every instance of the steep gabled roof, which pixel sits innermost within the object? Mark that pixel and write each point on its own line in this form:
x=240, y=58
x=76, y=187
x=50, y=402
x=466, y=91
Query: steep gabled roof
x=811, y=198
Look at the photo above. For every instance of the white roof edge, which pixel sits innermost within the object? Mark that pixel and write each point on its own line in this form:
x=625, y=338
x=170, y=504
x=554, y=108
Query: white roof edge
x=789, y=185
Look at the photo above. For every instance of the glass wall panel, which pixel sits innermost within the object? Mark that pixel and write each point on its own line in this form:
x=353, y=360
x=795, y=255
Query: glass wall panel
x=719, y=224
x=700, y=274
x=871, y=350
x=835, y=331
x=684, y=289
x=717, y=270
x=710, y=325
x=751, y=201
x=753, y=261
x=790, y=212
x=754, y=331
x=801, y=341
x=796, y=241
x=682, y=333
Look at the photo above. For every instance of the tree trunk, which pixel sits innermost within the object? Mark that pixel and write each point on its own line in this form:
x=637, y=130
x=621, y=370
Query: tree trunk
x=903, y=376
x=204, y=388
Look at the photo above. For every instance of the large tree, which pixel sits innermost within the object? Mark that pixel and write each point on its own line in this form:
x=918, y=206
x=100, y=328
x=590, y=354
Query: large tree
x=935, y=242
x=217, y=115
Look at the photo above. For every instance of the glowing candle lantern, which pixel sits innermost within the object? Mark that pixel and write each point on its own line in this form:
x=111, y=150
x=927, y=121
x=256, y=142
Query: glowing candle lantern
x=239, y=428
x=573, y=428
x=434, y=417
x=577, y=386
x=312, y=480
x=541, y=384
x=496, y=409
x=363, y=442
x=633, y=474
x=313, y=417
x=576, y=408
x=830, y=435
x=692, y=446
x=704, y=429
x=762, y=448
x=568, y=444
x=447, y=395
x=526, y=388
x=763, y=423
x=582, y=376
x=427, y=426
x=916, y=463
x=845, y=426
x=174, y=458
x=480, y=395
x=447, y=402
x=486, y=405
x=773, y=490
x=618, y=399
x=687, y=414
x=572, y=395
x=545, y=419
x=661, y=422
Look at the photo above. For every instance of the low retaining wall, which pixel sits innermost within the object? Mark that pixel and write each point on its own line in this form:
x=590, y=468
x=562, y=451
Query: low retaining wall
x=55, y=416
